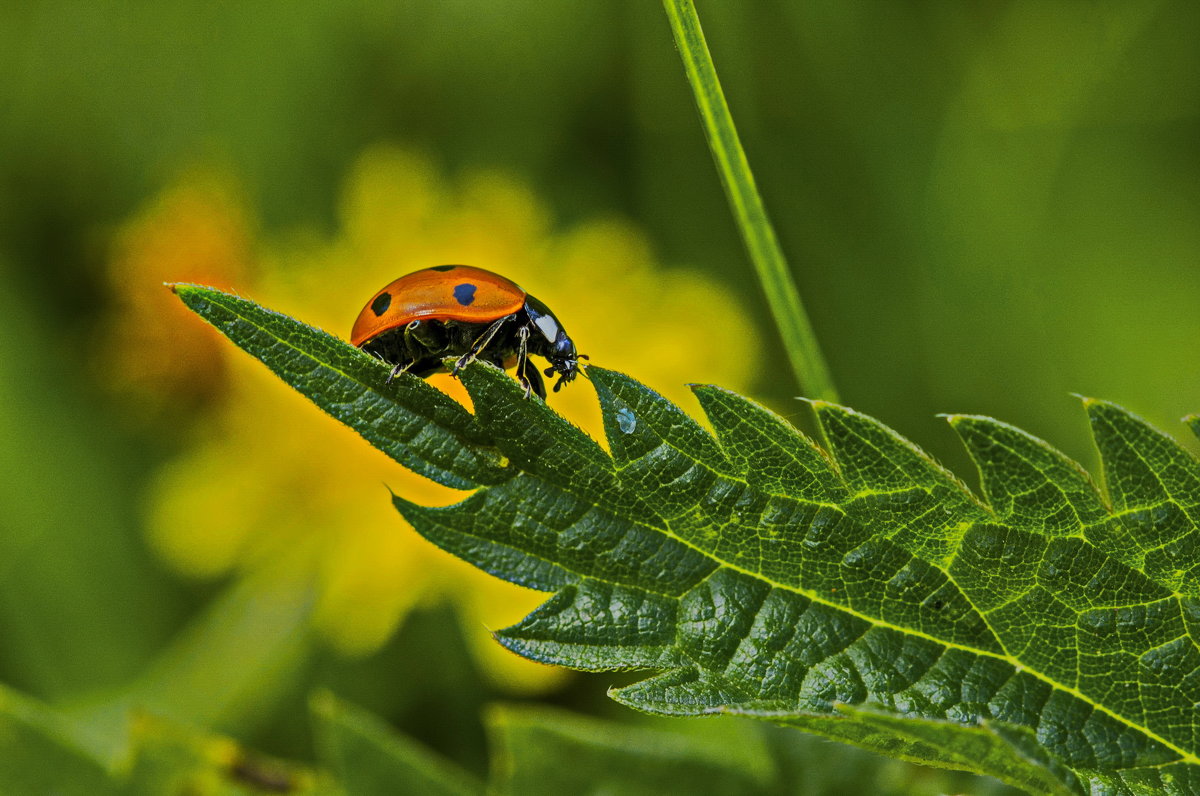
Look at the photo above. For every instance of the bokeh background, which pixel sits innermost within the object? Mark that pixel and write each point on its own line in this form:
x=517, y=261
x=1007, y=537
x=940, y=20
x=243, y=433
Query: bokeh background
x=987, y=207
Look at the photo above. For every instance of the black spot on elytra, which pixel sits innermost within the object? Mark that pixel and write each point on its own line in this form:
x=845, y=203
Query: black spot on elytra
x=443, y=268
x=381, y=303
x=464, y=294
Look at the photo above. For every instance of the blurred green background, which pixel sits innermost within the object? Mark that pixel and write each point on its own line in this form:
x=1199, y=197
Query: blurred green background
x=986, y=206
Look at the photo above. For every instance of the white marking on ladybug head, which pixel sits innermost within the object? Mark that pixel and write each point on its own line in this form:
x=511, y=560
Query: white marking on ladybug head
x=547, y=326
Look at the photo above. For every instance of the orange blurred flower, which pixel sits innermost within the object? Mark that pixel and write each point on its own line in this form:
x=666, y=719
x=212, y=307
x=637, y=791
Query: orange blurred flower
x=151, y=352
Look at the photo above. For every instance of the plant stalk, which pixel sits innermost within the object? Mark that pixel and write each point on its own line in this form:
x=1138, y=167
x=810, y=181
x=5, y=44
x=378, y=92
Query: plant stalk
x=755, y=227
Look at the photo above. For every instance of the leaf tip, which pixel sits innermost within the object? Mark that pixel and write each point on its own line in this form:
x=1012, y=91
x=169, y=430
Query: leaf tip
x=406, y=508
x=188, y=290
x=821, y=405
x=514, y=644
x=184, y=287
x=620, y=695
x=1098, y=410
x=1193, y=422
x=700, y=389
x=956, y=419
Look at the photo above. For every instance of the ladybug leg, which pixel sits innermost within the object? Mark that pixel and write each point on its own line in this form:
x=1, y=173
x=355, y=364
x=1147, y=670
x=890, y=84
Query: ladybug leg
x=397, y=370
x=417, y=338
x=479, y=345
x=527, y=372
x=407, y=366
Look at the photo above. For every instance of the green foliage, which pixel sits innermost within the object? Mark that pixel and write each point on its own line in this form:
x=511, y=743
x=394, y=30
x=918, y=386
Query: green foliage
x=366, y=756
x=46, y=752
x=42, y=752
x=225, y=670
x=70, y=559
x=977, y=196
x=174, y=758
x=358, y=754
x=1045, y=636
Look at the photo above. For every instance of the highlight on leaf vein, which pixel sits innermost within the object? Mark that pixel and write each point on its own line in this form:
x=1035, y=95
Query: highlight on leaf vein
x=1043, y=631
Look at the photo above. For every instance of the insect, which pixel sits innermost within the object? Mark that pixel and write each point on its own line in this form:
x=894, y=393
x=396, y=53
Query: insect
x=459, y=310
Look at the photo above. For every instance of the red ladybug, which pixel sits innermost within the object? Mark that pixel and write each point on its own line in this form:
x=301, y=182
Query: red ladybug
x=458, y=310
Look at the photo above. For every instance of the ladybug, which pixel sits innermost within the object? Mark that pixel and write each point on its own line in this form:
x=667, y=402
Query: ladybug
x=459, y=310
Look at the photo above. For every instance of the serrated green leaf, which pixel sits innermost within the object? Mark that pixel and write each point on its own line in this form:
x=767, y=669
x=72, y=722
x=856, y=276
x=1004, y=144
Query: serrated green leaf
x=1045, y=635
x=877, y=579
x=415, y=424
x=368, y=757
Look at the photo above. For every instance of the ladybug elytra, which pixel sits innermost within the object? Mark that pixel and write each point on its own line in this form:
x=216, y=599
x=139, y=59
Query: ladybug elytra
x=459, y=310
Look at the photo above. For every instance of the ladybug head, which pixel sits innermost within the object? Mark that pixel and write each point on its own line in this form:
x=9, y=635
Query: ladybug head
x=563, y=361
x=554, y=344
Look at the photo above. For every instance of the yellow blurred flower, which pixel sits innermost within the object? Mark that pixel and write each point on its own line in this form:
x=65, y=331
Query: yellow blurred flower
x=270, y=477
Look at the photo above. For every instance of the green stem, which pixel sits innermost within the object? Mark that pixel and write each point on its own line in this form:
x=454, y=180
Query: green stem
x=759, y=236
